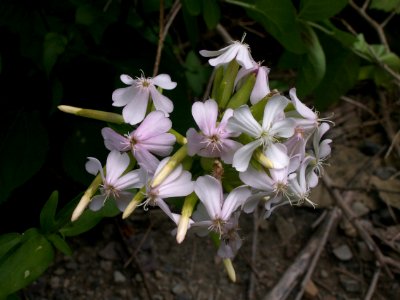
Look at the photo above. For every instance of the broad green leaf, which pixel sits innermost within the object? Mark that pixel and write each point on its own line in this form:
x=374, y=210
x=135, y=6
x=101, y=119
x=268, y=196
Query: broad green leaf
x=63, y=217
x=60, y=244
x=48, y=213
x=25, y=263
x=9, y=241
x=279, y=19
x=386, y=5
x=211, y=13
x=193, y=6
x=313, y=63
x=86, y=14
x=345, y=38
x=341, y=73
x=54, y=44
x=196, y=74
x=23, y=149
x=89, y=219
x=317, y=10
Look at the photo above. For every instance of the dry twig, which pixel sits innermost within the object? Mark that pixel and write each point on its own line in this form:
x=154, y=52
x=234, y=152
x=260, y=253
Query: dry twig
x=372, y=286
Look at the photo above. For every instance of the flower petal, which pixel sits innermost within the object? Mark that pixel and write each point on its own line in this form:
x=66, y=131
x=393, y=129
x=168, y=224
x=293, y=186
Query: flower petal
x=97, y=202
x=115, y=141
x=205, y=115
x=135, y=111
x=153, y=125
x=243, y=56
x=160, y=145
x=257, y=179
x=115, y=166
x=225, y=57
x=194, y=141
x=277, y=154
x=123, y=200
x=93, y=166
x=229, y=147
x=130, y=180
x=164, y=81
x=209, y=191
x=272, y=110
x=123, y=96
x=283, y=128
x=160, y=101
x=302, y=109
x=127, y=79
x=145, y=159
x=181, y=186
x=261, y=87
x=242, y=157
x=235, y=199
x=243, y=121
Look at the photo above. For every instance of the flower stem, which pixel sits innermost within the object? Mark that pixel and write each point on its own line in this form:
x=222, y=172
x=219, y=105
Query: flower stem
x=180, y=139
x=262, y=159
x=230, y=269
x=93, y=114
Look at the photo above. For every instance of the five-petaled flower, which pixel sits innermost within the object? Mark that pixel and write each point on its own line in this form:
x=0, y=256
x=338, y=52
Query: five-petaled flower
x=135, y=98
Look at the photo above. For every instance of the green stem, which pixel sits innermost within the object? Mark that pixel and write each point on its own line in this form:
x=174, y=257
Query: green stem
x=93, y=114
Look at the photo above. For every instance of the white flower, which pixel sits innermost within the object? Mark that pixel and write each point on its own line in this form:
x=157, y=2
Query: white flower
x=136, y=97
x=274, y=126
x=115, y=183
x=236, y=49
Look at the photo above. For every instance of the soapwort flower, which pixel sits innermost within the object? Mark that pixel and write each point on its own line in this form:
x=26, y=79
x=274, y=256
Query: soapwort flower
x=177, y=184
x=274, y=126
x=135, y=98
x=236, y=50
x=116, y=184
x=150, y=137
x=214, y=138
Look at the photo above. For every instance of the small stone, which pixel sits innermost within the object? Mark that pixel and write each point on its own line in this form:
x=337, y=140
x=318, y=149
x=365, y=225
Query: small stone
x=108, y=252
x=66, y=283
x=59, y=271
x=55, y=282
x=385, y=172
x=119, y=277
x=158, y=274
x=364, y=253
x=178, y=289
x=106, y=265
x=310, y=290
x=343, y=252
x=349, y=284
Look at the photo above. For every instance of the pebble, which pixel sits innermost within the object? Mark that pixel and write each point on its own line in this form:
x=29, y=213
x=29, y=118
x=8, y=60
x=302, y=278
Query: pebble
x=119, y=277
x=324, y=274
x=349, y=284
x=55, y=282
x=178, y=289
x=343, y=252
x=71, y=265
x=310, y=290
x=385, y=173
x=138, y=277
x=158, y=274
x=363, y=251
x=59, y=271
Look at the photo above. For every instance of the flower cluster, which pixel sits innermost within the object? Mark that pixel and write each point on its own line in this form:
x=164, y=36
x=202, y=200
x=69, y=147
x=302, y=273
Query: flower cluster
x=274, y=145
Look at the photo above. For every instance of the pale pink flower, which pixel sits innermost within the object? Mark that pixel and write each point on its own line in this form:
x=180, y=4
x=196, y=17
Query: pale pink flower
x=135, y=98
x=221, y=216
x=116, y=185
x=177, y=184
x=274, y=126
x=214, y=138
x=261, y=86
x=308, y=120
x=236, y=50
x=151, y=137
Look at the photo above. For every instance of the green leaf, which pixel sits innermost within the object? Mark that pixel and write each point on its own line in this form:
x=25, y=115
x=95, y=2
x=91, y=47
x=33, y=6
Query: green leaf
x=9, y=241
x=196, y=74
x=279, y=19
x=23, y=149
x=313, y=63
x=63, y=217
x=86, y=14
x=48, y=213
x=211, y=13
x=60, y=244
x=25, y=263
x=317, y=10
x=89, y=219
x=54, y=44
x=191, y=27
x=386, y=5
x=341, y=74
x=193, y=7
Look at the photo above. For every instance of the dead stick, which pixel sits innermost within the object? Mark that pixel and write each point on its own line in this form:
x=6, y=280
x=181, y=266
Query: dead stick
x=372, y=286
x=332, y=217
x=356, y=223
x=292, y=275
